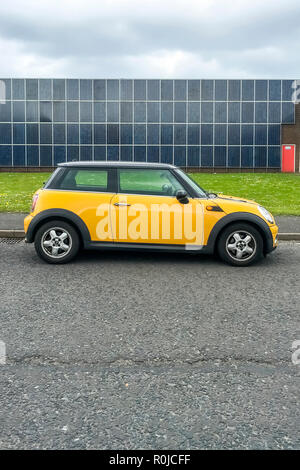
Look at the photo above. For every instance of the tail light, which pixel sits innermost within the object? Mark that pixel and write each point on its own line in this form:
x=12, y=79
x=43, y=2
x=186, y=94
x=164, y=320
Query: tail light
x=34, y=201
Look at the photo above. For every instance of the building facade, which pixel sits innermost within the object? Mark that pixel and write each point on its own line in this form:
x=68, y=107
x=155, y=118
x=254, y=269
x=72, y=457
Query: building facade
x=203, y=124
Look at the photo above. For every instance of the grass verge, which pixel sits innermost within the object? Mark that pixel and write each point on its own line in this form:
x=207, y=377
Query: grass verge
x=279, y=193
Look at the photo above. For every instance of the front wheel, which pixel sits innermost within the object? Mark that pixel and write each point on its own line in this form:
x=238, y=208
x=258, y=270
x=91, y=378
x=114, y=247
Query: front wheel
x=240, y=244
x=56, y=242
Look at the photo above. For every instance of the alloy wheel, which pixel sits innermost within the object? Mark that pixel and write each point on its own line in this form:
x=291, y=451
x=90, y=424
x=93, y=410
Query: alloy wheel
x=241, y=245
x=56, y=242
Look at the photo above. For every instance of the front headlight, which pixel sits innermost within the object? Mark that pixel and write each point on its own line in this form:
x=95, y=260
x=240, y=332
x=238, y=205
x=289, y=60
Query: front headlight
x=266, y=214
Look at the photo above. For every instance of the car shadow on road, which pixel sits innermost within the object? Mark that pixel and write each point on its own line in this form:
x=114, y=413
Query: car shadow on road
x=145, y=257
x=135, y=256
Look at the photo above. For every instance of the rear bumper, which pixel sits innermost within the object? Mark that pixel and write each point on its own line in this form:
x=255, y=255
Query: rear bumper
x=27, y=222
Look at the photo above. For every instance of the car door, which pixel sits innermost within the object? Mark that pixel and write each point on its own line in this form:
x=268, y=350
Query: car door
x=146, y=211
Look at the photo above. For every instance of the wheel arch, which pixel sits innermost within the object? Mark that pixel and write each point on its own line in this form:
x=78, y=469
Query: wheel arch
x=58, y=214
x=244, y=217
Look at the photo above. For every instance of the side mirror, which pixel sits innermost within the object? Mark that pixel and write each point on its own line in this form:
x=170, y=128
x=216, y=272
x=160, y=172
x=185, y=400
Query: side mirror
x=182, y=196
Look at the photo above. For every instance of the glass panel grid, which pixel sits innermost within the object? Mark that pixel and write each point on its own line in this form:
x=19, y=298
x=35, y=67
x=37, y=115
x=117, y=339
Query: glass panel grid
x=55, y=119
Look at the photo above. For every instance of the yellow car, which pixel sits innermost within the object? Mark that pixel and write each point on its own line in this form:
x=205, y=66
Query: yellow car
x=143, y=206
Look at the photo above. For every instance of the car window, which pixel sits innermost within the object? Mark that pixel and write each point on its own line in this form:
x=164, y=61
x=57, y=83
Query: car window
x=85, y=180
x=153, y=182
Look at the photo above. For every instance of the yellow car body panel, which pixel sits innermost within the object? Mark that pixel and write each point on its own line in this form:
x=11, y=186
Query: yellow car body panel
x=163, y=226
x=83, y=204
x=231, y=204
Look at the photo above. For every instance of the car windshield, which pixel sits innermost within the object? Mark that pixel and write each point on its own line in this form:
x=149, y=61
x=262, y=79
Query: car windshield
x=191, y=182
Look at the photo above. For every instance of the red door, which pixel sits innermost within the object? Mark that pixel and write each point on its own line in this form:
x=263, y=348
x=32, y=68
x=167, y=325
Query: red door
x=288, y=159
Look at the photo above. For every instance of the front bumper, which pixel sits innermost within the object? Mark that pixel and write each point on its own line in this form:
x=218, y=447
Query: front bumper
x=274, y=232
x=272, y=239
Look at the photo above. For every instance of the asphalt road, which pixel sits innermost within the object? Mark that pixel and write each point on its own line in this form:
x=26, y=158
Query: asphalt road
x=151, y=351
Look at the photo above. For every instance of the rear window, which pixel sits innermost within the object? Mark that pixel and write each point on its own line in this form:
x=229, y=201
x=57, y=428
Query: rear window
x=85, y=180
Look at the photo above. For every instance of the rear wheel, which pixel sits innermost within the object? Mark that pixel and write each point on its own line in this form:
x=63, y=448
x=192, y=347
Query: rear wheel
x=240, y=245
x=56, y=242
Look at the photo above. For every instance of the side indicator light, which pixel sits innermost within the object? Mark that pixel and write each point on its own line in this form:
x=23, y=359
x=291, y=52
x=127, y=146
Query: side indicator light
x=214, y=209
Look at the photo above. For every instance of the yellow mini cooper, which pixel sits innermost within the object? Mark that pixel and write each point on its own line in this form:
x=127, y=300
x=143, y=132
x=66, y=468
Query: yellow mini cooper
x=143, y=206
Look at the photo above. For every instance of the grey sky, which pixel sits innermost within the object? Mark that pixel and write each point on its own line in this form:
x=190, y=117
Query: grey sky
x=150, y=38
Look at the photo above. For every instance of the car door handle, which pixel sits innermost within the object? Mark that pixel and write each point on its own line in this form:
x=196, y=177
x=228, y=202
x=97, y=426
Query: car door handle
x=121, y=204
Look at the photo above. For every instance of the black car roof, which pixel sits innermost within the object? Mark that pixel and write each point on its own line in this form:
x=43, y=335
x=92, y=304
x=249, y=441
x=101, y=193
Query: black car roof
x=117, y=164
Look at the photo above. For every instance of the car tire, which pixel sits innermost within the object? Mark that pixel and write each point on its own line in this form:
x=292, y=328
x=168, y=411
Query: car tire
x=57, y=242
x=240, y=244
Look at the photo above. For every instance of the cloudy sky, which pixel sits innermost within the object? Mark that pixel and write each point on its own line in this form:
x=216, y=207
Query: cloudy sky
x=150, y=38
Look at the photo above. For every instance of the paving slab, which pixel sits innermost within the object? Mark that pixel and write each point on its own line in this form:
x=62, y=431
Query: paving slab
x=12, y=220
